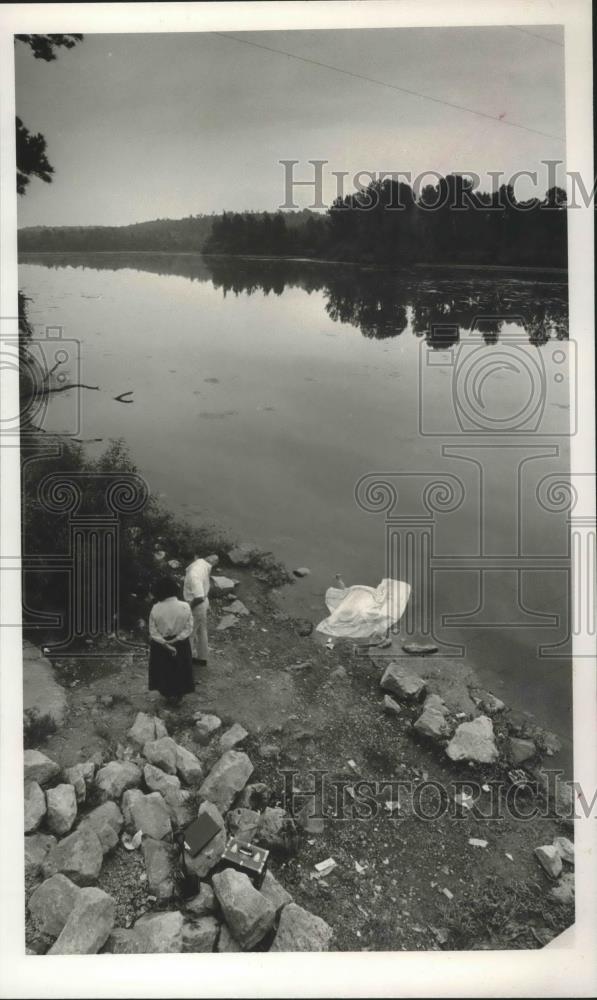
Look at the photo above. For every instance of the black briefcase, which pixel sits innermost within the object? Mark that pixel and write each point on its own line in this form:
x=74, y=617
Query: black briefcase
x=247, y=858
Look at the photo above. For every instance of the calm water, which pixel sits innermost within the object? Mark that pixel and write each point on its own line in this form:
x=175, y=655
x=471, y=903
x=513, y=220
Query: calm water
x=264, y=391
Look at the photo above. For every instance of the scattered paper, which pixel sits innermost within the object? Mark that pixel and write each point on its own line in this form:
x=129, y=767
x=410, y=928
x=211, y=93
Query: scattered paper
x=509, y=856
x=352, y=763
x=486, y=788
x=132, y=843
x=447, y=893
x=464, y=800
x=476, y=842
x=326, y=865
x=361, y=869
x=390, y=805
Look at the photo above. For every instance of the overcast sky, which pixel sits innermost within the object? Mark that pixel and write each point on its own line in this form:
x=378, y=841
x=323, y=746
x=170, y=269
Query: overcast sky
x=153, y=126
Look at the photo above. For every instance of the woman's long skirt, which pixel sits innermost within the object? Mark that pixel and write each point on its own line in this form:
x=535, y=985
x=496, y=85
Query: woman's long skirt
x=171, y=675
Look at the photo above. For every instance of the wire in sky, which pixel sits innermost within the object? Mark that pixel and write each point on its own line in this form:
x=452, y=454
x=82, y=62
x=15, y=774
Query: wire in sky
x=392, y=86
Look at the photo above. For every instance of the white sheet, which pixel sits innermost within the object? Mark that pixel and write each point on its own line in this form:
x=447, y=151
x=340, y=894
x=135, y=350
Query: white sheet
x=360, y=612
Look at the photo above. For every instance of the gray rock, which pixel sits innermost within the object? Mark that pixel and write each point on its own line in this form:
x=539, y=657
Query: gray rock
x=116, y=777
x=150, y=815
x=550, y=860
x=51, y=903
x=277, y=830
x=390, y=706
x=204, y=903
x=37, y=847
x=226, y=622
x=35, y=806
x=131, y=796
x=160, y=864
x=188, y=767
x=269, y=751
x=474, y=741
x=489, y=703
x=232, y=737
x=276, y=893
x=143, y=729
x=565, y=849
x=160, y=933
x=238, y=608
x=432, y=724
x=107, y=821
x=419, y=648
x=80, y=776
x=38, y=767
x=78, y=856
x=200, y=935
x=559, y=794
x=226, y=942
x=433, y=701
x=124, y=941
x=310, y=818
x=248, y=914
x=88, y=926
x=223, y=584
x=203, y=862
x=402, y=682
x=339, y=674
x=157, y=781
x=181, y=807
x=62, y=808
x=563, y=892
x=243, y=554
x=161, y=753
x=226, y=779
x=255, y=796
x=243, y=823
x=520, y=750
x=43, y=696
x=300, y=930
x=301, y=571
x=206, y=726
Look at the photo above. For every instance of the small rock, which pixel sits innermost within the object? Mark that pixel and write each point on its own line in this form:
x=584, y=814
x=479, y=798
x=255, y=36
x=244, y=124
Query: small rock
x=160, y=862
x=79, y=856
x=563, y=892
x=62, y=808
x=243, y=554
x=565, y=849
x=51, y=904
x=403, y=683
x=226, y=779
x=243, y=823
x=419, y=648
x=203, y=862
x=489, y=703
x=204, y=903
x=205, y=726
x=200, y=935
x=549, y=858
x=232, y=737
x=300, y=930
x=37, y=846
x=390, y=706
x=520, y=750
x=160, y=933
x=226, y=942
x=35, y=806
x=116, y=777
x=223, y=584
x=238, y=608
x=301, y=571
x=143, y=729
x=255, y=796
x=88, y=925
x=303, y=627
x=107, y=700
x=269, y=751
x=432, y=724
x=157, y=781
x=474, y=741
x=248, y=914
x=226, y=622
x=161, y=753
x=276, y=893
x=277, y=830
x=188, y=767
x=39, y=768
x=339, y=674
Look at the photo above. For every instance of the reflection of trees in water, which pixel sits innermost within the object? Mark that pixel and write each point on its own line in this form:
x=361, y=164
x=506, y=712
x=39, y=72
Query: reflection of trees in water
x=380, y=303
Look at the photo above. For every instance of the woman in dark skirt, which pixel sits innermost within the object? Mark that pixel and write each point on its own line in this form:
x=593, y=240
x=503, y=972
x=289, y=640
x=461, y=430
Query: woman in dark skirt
x=170, y=628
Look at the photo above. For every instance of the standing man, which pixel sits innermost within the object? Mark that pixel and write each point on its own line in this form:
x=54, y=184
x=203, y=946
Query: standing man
x=196, y=592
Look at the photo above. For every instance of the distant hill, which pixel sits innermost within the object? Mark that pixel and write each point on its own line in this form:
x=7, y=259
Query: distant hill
x=190, y=235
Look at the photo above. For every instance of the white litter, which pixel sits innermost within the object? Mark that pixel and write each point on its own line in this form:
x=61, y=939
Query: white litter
x=509, y=856
x=359, y=612
x=447, y=893
x=475, y=842
x=361, y=869
x=132, y=843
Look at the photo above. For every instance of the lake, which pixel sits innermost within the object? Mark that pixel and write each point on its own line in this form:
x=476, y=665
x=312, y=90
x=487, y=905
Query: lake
x=264, y=391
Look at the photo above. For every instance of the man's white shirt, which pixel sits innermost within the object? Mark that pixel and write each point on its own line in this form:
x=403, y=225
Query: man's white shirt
x=196, y=581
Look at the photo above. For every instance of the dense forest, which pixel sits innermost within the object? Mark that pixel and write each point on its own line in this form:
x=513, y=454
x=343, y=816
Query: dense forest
x=449, y=223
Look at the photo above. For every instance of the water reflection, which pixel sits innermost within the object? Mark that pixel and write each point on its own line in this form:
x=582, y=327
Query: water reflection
x=438, y=305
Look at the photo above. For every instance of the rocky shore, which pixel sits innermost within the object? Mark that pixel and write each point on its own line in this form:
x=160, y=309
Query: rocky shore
x=112, y=777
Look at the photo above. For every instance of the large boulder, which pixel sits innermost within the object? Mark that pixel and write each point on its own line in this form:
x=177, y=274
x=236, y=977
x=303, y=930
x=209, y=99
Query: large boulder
x=88, y=926
x=232, y=737
x=203, y=862
x=160, y=864
x=200, y=935
x=43, y=696
x=149, y=814
x=145, y=729
x=432, y=722
x=204, y=903
x=157, y=781
x=248, y=914
x=35, y=806
x=405, y=684
x=243, y=823
x=226, y=942
x=206, y=726
x=520, y=750
x=255, y=796
x=223, y=584
x=112, y=780
x=160, y=933
x=107, y=821
x=80, y=776
x=276, y=893
x=550, y=860
x=300, y=930
x=37, y=846
x=51, y=903
x=62, y=808
x=474, y=741
x=78, y=856
x=181, y=807
x=242, y=554
x=188, y=767
x=226, y=779
x=161, y=753
x=277, y=830
x=38, y=767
